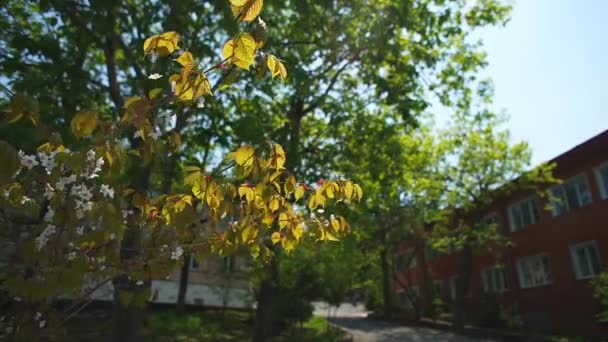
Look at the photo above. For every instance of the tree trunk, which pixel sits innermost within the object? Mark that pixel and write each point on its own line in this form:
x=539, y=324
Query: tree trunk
x=462, y=288
x=183, y=283
x=266, y=302
x=386, y=284
x=127, y=316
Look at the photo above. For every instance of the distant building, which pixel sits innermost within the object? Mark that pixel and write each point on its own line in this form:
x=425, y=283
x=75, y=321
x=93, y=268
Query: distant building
x=214, y=282
x=544, y=277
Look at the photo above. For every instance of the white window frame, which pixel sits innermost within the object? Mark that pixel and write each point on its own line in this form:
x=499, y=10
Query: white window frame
x=575, y=259
x=579, y=194
x=520, y=271
x=519, y=205
x=603, y=187
x=491, y=271
x=438, y=287
x=452, y=281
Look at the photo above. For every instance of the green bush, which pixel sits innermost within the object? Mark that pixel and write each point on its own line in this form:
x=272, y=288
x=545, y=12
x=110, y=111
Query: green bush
x=169, y=322
x=600, y=292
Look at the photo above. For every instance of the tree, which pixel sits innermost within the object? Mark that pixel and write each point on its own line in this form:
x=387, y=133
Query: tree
x=480, y=165
x=389, y=53
x=91, y=216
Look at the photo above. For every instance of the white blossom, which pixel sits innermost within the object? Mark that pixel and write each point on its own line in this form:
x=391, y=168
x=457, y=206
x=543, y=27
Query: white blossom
x=28, y=161
x=82, y=192
x=155, y=76
x=106, y=191
x=25, y=200
x=201, y=102
x=112, y=236
x=48, y=216
x=262, y=24
x=43, y=238
x=137, y=134
x=65, y=181
x=47, y=161
x=177, y=253
x=49, y=192
x=71, y=256
x=155, y=135
x=80, y=230
x=37, y=316
x=91, y=155
x=17, y=299
x=42, y=324
x=139, y=283
x=102, y=267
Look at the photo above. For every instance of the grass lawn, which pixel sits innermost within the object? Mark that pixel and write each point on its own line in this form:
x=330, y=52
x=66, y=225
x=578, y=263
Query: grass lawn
x=161, y=326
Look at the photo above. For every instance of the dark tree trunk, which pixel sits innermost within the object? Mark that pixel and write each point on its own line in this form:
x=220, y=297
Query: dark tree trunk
x=386, y=284
x=127, y=316
x=266, y=302
x=462, y=288
x=183, y=283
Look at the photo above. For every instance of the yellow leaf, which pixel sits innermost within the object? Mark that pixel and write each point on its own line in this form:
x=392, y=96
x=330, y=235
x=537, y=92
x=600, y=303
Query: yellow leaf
x=276, y=67
x=247, y=10
x=185, y=58
x=162, y=44
x=268, y=220
x=347, y=189
x=247, y=192
x=240, y=50
x=154, y=93
x=329, y=189
x=316, y=200
x=290, y=185
x=327, y=236
x=278, y=156
x=248, y=234
x=299, y=192
x=244, y=156
x=276, y=237
x=84, y=123
x=297, y=232
x=283, y=220
x=358, y=192
x=274, y=204
x=335, y=224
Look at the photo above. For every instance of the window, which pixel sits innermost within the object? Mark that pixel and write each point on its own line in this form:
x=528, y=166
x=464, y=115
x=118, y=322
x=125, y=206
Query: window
x=493, y=279
x=407, y=295
x=601, y=174
x=194, y=265
x=229, y=264
x=524, y=213
x=572, y=194
x=533, y=271
x=438, y=288
x=453, y=280
x=586, y=260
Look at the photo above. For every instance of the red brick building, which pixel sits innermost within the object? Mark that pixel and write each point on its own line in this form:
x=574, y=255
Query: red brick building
x=556, y=250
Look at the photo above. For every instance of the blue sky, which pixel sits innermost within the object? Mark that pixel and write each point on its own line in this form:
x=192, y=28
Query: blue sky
x=550, y=70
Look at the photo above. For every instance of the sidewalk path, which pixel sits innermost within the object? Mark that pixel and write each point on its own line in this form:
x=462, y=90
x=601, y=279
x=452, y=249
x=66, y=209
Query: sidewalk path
x=354, y=320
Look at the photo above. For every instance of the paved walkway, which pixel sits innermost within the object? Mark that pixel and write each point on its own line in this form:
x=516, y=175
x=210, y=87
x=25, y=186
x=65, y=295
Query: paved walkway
x=354, y=320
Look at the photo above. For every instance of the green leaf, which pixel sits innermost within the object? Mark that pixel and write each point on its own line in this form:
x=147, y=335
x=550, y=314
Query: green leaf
x=9, y=159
